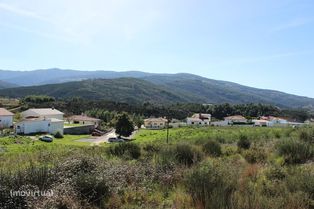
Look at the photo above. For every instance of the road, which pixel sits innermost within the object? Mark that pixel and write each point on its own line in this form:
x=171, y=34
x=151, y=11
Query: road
x=96, y=140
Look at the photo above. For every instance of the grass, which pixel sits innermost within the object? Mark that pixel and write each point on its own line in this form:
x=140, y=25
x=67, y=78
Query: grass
x=22, y=150
x=147, y=173
x=198, y=134
x=28, y=144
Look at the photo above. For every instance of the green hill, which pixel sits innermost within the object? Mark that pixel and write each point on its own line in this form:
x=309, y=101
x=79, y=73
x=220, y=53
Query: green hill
x=129, y=90
x=4, y=84
x=162, y=89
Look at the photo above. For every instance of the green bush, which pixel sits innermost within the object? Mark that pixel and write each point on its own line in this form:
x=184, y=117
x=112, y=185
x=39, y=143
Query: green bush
x=301, y=179
x=186, y=155
x=294, y=151
x=212, y=148
x=275, y=173
x=151, y=148
x=91, y=188
x=230, y=150
x=58, y=135
x=307, y=135
x=209, y=187
x=244, y=142
x=127, y=150
x=255, y=155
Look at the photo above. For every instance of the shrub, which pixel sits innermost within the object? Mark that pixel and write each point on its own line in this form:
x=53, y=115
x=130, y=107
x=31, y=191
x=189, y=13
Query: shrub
x=301, y=179
x=151, y=148
x=294, y=151
x=244, y=142
x=230, y=150
x=212, y=148
x=76, y=165
x=275, y=173
x=186, y=155
x=209, y=187
x=91, y=188
x=58, y=135
x=127, y=150
x=255, y=155
x=307, y=135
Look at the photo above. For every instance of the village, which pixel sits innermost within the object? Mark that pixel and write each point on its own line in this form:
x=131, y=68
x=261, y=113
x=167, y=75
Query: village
x=51, y=122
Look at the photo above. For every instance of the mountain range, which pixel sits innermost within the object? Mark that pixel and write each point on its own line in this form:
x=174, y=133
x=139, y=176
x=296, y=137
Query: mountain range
x=139, y=87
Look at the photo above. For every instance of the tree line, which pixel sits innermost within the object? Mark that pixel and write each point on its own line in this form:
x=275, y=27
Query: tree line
x=106, y=110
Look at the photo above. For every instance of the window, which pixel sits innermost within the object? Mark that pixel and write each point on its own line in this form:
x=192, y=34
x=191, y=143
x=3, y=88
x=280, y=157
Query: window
x=192, y=122
x=199, y=123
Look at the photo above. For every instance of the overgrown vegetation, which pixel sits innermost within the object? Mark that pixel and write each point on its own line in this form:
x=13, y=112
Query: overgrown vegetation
x=201, y=168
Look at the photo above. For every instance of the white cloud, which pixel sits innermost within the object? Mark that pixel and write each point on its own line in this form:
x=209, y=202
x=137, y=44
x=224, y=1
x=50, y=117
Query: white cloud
x=81, y=20
x=298, y=22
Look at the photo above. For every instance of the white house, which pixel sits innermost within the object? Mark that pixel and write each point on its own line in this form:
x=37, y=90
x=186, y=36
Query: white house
x=155, y=123
x=235, y=119
x=84, y=120
x=6, y=118
x=39, y=125
x=43, y=113
x=46, y=120
x=199, y=119
x=261, y=123
x=275, y=121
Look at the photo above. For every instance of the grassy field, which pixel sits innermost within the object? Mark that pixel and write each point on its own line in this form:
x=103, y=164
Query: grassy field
x=201, y=168
x=222, y=134
x=23, y=150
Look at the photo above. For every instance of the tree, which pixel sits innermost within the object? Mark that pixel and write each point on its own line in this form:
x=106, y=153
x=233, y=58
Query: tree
x=138, y=120
x=123, y=125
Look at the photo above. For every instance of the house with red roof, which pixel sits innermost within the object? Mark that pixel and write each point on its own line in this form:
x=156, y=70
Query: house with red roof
x=6, y=118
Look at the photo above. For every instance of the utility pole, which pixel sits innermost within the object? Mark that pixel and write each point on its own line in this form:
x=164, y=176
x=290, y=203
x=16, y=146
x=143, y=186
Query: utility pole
x=167, y=130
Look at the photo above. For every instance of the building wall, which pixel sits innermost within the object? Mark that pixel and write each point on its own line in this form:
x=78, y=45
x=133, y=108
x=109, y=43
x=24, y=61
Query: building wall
x=42, y=126
x=77, y=130
x=220, y=123
x=155, y=125
x=95, y=123
x=55, y=127
x=229, y=121
x=6, y=121
x=200, y=123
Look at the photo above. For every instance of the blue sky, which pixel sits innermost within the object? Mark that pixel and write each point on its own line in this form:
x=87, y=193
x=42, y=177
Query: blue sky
x=265, y=44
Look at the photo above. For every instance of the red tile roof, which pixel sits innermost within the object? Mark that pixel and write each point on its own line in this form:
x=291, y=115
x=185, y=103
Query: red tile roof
x=5, y=112
x=82, y=118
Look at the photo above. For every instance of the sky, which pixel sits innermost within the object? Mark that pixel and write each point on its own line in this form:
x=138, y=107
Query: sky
x=266, y=44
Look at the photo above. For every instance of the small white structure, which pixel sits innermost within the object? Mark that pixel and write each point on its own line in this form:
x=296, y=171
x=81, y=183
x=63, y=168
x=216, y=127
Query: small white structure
x=45, y=120
x=43, y=112
x=6, y=118
x=235, y=119
x=275, y=121
x=309, y=122
x=84, y=120
x=220, y=123
x=199, y=119
x=39, y=125
x=177, y=123
x=155, y=123
x=261, y=123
